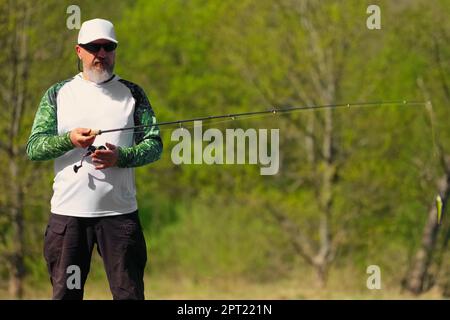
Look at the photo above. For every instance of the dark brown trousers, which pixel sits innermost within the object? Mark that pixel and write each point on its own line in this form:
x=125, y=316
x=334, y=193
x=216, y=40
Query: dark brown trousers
x=68, y=246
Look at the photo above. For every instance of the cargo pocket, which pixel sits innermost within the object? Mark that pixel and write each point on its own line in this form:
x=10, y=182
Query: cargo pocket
x=54, y=240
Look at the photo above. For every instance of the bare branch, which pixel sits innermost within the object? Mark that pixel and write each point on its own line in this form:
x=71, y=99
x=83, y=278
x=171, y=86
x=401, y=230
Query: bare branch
x=436, y=141
x=301, y=244
x=442, y=73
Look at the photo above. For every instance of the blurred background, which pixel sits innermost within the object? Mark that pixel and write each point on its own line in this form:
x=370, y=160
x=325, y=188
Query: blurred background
x=356, y=187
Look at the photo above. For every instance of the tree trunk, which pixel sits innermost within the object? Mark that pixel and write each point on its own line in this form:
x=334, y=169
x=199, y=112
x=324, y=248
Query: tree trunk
x=17, y=83
x=16, y=258
x=322, y=259
x=322, y=275
x=445, y=263
x=418, y=276
x=309, y=141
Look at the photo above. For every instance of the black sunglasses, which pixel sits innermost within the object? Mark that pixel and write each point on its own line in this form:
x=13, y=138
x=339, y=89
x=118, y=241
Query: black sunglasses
x=95, y=47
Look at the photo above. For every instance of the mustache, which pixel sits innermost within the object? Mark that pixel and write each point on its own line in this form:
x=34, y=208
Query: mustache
x=102, y=61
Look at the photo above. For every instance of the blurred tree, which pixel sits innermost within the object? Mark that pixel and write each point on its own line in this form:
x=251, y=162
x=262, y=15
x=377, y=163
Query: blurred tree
x=421, y=277
x=296, y=53
x=14, y=92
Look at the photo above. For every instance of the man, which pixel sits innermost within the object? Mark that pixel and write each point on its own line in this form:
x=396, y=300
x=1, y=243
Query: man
x=95, y=204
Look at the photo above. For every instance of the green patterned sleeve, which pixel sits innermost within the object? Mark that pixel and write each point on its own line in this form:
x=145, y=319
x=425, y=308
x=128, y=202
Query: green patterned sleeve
x=44, y=142
x=148, y=144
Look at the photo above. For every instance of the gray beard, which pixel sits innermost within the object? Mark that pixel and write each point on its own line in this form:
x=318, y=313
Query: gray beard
x=99, y=76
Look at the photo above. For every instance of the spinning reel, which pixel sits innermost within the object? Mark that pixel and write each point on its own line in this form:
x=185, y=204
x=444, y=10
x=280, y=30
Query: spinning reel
x=90, y=150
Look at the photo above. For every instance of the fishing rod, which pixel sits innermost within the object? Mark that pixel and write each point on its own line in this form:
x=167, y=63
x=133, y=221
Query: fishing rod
x=235, y=116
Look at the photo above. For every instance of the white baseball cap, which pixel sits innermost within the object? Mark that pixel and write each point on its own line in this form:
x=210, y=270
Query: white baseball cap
x=95, y=29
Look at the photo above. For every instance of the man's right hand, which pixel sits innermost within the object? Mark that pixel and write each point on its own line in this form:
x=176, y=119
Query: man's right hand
x=82, y=137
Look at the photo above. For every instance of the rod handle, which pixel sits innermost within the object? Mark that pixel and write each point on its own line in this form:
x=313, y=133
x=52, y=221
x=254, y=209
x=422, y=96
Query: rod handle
x=94, y=132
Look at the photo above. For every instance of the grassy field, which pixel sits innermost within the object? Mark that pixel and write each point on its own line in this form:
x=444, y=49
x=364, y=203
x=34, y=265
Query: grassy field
x=298, y=285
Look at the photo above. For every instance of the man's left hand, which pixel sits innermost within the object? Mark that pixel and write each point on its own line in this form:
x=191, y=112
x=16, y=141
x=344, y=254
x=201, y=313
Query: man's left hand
x=105, y=158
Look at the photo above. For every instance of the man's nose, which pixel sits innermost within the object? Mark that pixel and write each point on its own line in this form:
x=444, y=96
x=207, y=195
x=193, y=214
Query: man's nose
x=101, y=53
